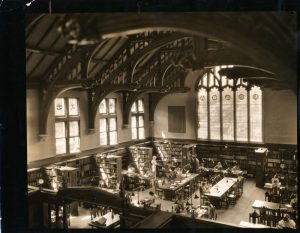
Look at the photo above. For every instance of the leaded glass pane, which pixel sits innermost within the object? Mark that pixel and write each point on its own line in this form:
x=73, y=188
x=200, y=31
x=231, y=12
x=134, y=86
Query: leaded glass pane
x=133, y=107
x=102, y=107
x=202, y=114
x=224, y=81
x=241, y=115
x=74, y=128
x=216, y=71
x=113, y=138
x=140, y=105
x=103, y=138
x=60, y=130
x=230, y=82
x=255, y=114
x=210, y=79
x=134, y=133
x=103, y=125
x=60, y=145
x=59, y=107
x=214, y=112
x=112, y=124
x=204, y=80
x=227, y=114
x=141, y=133
x=73, y=107
x=141, y=121
x=74, y=143
x=133, y=122
x=111, y=105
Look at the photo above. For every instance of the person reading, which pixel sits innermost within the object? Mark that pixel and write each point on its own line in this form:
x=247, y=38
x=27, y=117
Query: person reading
x=218, y=166
x=286, y=223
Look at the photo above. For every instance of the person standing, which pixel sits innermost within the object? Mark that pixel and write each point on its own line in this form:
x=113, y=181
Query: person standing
x=195, y=164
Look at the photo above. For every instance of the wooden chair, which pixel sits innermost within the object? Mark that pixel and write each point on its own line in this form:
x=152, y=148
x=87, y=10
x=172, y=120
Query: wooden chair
x=231, y=198
x=267, y=196
x=267, y=217
x=224, y=202
x=254, y=217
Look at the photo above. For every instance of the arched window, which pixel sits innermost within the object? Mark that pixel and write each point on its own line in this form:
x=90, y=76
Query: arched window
x=228, y=110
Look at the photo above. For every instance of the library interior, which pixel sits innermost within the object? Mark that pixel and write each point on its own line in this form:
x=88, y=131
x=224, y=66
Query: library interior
x=161, y=120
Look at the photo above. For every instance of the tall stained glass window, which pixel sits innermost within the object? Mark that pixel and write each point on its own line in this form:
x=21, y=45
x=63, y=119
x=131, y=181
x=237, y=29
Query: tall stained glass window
x=137, y=120
x=108, y=122
x=255, y=97
x=67, y=125
x=229, y=110
x=227, y=114
x=202, y=114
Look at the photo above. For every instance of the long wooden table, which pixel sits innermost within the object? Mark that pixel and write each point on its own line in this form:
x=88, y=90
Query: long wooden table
x=257, y=204
x=222, y=187
x=176, y=184
x=219, y=190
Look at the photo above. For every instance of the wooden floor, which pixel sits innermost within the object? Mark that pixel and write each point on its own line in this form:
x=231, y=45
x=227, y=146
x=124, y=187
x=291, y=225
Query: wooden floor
x=234, y=214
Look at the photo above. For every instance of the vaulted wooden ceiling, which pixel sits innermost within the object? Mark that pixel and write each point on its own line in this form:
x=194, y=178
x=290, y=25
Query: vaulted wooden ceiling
x=152, y=53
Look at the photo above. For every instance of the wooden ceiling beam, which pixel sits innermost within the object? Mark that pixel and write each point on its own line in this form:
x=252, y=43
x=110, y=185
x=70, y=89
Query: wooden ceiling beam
x=45, y=34
x=134, y=58
x=113, y=58
x=38, y=63
x=43, y=51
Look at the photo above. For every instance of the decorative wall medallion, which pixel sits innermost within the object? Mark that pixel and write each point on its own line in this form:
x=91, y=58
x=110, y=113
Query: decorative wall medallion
x=255, y=96
x=241, y=96
x=227, y=97
x=214, y=97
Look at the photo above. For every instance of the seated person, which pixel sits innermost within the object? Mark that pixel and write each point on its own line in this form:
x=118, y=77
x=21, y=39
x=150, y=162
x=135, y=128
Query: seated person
x=186, y=169
x=275, y=181
x=102, y=184
x=172, y=172
x=286, y=223
x=131, y=168
x=204, y=188
x=218, y=166
x=235, y=168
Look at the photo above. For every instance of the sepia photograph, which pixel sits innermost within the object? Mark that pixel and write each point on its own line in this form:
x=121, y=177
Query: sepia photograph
x=161, y=120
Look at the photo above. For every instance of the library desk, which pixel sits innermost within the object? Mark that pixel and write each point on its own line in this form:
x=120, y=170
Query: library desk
x=269, y=205
x=272, y=205
x=176, y=185
x=222, y=187
x=110, y=222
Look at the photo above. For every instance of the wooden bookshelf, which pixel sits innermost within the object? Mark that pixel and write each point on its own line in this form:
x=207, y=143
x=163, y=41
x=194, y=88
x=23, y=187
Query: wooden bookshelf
x=109, y=168
x=284, y=163
x=142, y=157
